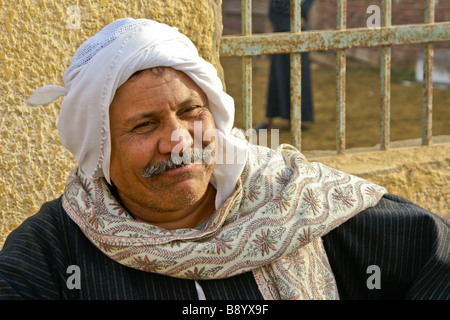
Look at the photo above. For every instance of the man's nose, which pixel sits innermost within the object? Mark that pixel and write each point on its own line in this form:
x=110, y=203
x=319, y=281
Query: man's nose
x=175, y=138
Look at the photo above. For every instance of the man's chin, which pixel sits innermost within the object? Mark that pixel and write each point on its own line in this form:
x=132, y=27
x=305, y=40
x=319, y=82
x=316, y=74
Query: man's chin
x=177, y=196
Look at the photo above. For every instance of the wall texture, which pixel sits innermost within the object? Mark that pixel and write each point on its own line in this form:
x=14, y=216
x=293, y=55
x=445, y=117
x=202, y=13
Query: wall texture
x=38, y=40
x=418, y=173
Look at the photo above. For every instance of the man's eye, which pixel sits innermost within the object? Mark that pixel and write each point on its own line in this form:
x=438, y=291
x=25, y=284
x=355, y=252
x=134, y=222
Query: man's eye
x=144, y=126
x=192, y=111
x=191, y=108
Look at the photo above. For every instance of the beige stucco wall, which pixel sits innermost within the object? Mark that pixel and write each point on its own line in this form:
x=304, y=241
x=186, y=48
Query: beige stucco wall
x=419, y=173
x=38, y=39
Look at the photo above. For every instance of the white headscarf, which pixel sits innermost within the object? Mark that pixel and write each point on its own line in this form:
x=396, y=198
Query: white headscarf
x=106, y=61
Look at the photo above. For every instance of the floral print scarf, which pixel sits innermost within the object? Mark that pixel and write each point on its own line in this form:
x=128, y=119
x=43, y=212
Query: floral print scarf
x=271, y=225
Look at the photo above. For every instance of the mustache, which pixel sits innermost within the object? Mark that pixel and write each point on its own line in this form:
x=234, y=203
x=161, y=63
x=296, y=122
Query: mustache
x=191, y=155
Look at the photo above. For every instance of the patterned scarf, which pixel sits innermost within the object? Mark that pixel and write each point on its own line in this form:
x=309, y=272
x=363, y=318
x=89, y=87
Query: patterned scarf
x=271, y=225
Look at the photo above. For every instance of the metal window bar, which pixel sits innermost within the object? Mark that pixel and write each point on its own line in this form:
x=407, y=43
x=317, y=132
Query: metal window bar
x=385, y=79
x=341, y=73
x=247, y=93
x=296, y=78
x=296, y=41
x=427, y=105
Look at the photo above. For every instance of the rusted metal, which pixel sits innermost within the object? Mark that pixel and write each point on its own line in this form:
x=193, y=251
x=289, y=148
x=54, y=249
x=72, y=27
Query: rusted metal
x=341, y=14
x=386, y=18
x=427, y=104
x=247, y=73
x=341, y=71
x=296, y=79
x=247, y=92
x=283, y=42
x=385, y=79
x=246, y=17
x=296, y=16
x=385, y=92
x=341, y=74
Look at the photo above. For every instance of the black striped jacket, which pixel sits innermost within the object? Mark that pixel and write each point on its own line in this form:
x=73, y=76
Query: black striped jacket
x=409, y=247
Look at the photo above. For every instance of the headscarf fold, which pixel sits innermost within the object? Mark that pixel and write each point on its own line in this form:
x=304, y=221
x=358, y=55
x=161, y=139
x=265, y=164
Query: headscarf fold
x=106, y=61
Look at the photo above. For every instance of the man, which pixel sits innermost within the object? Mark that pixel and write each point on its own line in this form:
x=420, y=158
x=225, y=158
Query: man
x=168, y=202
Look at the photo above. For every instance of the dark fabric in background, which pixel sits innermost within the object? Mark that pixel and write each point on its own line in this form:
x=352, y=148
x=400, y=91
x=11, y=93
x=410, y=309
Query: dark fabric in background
x=278, y=92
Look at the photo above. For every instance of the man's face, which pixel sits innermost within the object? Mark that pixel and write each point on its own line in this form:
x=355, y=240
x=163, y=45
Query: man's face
x=145, y=113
